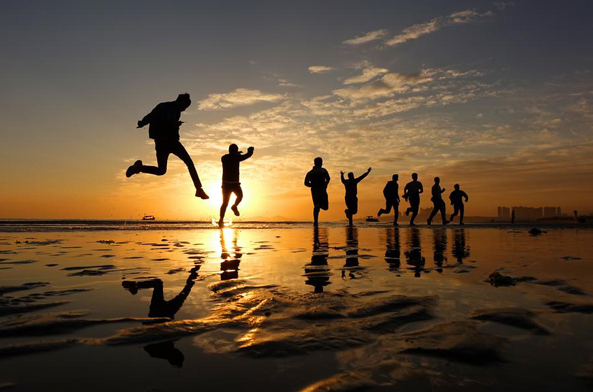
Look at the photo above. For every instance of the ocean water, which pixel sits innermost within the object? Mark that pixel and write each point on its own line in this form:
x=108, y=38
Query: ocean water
x=286, y=307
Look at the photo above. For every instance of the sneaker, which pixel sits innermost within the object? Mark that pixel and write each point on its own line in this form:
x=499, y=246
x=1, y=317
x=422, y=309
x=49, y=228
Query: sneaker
x=235, y=210
x=380, y=212
x=134, y=169
x=201, y=194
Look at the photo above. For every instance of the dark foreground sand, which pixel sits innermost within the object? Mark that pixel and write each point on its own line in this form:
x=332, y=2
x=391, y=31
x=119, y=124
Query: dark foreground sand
x=288, y=308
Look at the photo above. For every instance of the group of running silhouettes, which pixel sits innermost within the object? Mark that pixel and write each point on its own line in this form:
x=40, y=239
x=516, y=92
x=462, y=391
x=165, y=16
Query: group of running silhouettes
x=164, y=123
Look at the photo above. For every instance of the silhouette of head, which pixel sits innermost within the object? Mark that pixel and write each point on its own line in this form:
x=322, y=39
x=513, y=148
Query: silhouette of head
x=395, y=177
x=233, y=149
x=456, y=186
x=351, y=176
x=318, y=162
x=414, y=176
x=437, y=180
x=183, y=101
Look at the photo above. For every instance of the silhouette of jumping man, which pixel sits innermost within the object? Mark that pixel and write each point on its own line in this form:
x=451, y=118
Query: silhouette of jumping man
x=391, y=193
x=164, y=129
x=351, y=185
x=456, y=198
x=438, y=202
x=318, y=179
x=230, y=179
x=412, y=193
x=318, y=272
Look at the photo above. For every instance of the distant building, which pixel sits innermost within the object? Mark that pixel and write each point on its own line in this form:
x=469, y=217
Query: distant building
x=552, y=212
x=528, y=213
x=504, y=213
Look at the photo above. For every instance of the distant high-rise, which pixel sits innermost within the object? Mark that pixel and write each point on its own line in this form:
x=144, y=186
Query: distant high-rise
x=551, y=212
x=504, y=213
x=528, y=213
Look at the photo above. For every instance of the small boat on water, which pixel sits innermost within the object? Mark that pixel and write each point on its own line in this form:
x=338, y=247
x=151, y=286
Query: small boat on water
x=371, y=218
x=148, y=217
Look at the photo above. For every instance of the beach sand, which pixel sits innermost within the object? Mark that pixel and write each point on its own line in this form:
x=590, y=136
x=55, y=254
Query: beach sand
x=290, y=308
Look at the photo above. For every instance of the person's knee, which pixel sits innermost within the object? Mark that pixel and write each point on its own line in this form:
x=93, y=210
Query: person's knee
x=161, y=171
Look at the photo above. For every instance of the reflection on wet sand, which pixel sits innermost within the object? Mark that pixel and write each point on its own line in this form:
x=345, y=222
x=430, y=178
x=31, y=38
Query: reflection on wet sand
x=352, y=263
x=160, y=308
x=414, y=254
x=393, y=249
x=317, y=272
x=440, y=247
x=460, y=248
x=229, y=265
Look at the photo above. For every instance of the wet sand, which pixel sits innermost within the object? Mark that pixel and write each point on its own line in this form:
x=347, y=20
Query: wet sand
x=289, y=308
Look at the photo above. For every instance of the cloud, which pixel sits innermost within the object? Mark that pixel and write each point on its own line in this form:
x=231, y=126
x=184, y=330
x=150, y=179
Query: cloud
x=502, y=6
x=238, y=97
x=388, y=85
x=421, y=29
x=315, y=69
x=369, y=73
x=368, y=37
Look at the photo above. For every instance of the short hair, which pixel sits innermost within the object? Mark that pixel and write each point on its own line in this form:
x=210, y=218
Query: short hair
x=456, y=186
x=414, y=175
x=437, y=179
x=318, y=161
x=233, y=147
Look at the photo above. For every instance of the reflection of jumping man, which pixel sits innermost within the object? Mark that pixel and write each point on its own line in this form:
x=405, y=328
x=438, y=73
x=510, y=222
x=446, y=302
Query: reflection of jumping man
x=230, y=179
x=456, y=198
x=164, y=129
x=318, y=179
x=351, y=185
x=412, y=193
x=391, y=193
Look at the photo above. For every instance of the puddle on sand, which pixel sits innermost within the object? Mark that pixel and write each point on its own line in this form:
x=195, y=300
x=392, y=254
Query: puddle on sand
x=299, y=309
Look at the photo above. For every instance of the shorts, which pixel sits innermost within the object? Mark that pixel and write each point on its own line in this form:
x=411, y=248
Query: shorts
x=352, y=205
x=320, y=199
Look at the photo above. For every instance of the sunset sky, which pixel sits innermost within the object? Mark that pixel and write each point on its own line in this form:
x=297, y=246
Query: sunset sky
x=496, y=96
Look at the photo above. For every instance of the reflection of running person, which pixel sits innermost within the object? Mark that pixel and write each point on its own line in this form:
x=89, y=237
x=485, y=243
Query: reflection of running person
x=456, y=198
x=437, y=202
x=412, y=193
x=391, y=193
x=230, y=179
x=351, y=185
x=317, y=179
x=164, y=129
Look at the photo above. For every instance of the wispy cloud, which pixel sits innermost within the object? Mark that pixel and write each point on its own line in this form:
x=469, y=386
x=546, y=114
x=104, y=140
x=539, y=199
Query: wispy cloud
x=315, y=69
x=421, y=29
x=238, y=97
x=388, y=85
x=368, y=37
x=368, y=73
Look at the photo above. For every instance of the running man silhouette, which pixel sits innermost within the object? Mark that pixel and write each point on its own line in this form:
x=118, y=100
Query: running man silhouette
x=230, y=179
x=437, y=202
x=456, y=198
x=318, y=179
x=351, y=185
x=412, y=193
x=164, y=129
x=391, y=193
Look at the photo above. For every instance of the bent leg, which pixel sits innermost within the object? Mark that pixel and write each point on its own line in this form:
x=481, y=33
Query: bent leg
x=238, y=195
x=461, y=212
x=182, y=154
x=226, y=196
x=162, y=156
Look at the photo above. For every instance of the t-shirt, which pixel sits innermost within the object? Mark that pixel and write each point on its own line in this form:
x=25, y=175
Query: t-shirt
x=351, y=188
x=391, y=190
x=317, y=177
x=457, y=196
x=230, y=168
x=413, y=188
x=436, y=192
x=164, y=121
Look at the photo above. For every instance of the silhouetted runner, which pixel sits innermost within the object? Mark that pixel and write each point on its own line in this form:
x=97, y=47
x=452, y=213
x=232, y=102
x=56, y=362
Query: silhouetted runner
x=318, y=179
x=391, y=193
x=230, y=179
x=164, y=129
x=412, y=193
x=438, y=202
x=351, y=185
x=456, y=198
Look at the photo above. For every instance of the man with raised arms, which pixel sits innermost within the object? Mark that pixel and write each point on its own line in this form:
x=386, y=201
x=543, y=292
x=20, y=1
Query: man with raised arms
x=230, y=179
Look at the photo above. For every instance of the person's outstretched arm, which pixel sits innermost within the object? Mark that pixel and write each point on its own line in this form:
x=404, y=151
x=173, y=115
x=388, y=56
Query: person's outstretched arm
x=148, y=118
x=342, y=177
x=248, y=155
x=359, y=179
